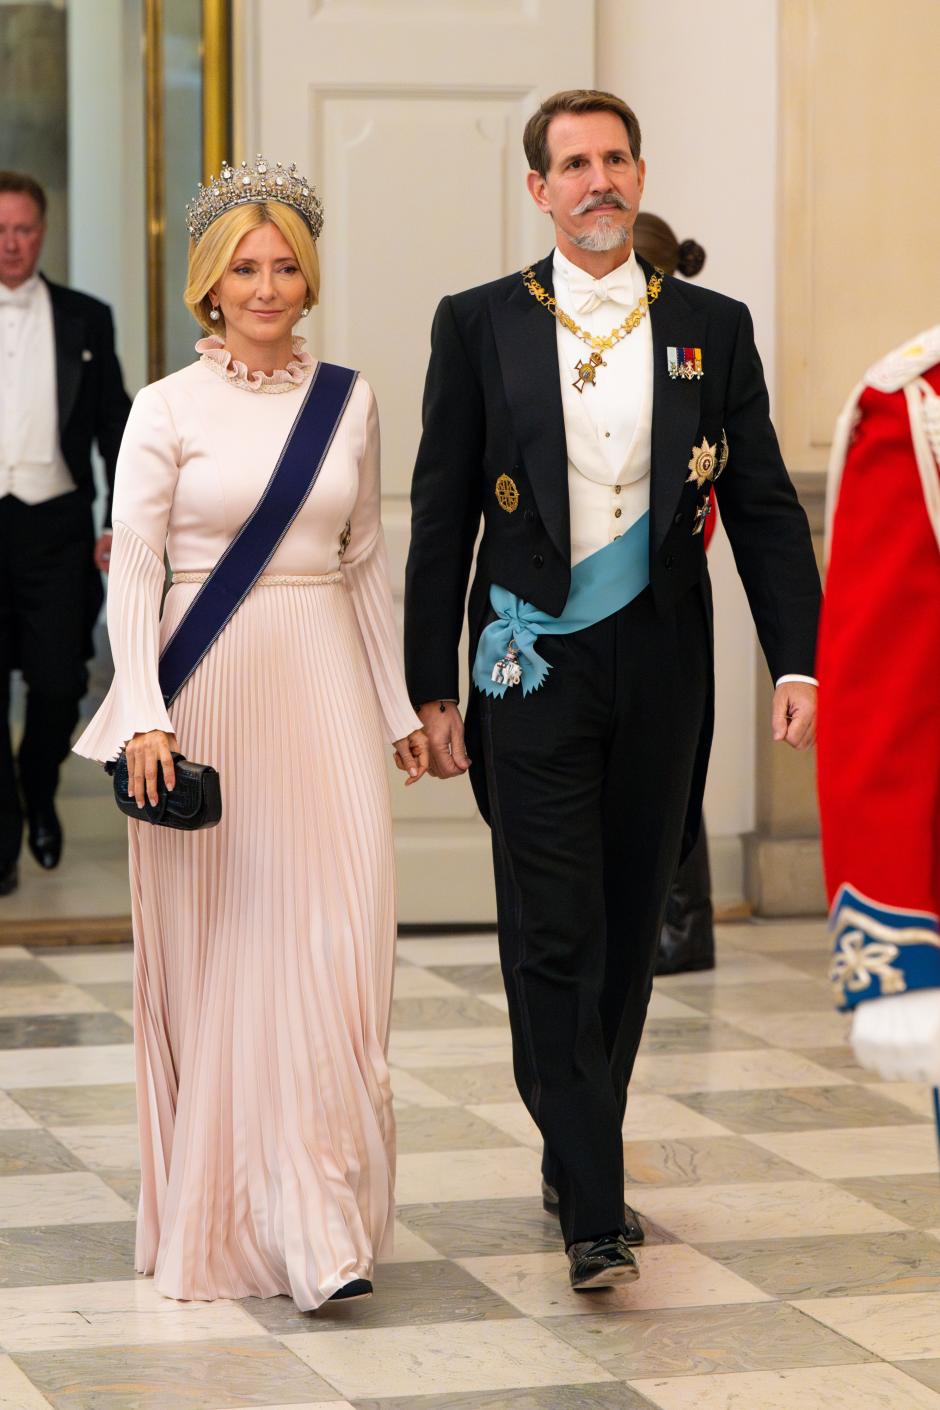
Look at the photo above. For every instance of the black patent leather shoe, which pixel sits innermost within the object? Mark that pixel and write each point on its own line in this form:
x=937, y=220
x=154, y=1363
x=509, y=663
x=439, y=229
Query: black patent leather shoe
x=359, y=1287
x=683, y=955
x=45, y=837
x=633, y=1229
x=9, y=878
x=601, y=1263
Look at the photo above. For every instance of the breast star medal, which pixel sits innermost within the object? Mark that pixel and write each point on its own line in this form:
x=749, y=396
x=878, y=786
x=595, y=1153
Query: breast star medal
x=703, y=464
x=587, y=371
x=507, y=494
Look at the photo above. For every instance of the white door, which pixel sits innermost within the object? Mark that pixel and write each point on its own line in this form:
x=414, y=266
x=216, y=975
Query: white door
x=408, y=116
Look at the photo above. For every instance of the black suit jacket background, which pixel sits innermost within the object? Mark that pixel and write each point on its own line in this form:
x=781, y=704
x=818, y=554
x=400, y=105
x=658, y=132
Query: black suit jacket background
x=492, y=406
x=93, y=407
x=92, y=403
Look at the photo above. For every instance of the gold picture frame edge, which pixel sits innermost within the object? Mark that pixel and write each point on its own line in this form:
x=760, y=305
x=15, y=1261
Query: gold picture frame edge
x=216, y=143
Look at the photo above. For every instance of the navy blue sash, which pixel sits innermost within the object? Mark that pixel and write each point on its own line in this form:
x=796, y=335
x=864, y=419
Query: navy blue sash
x=256, y=542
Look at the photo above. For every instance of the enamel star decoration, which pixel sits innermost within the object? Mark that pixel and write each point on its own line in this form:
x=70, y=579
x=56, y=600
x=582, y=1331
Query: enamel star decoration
x=703, y=464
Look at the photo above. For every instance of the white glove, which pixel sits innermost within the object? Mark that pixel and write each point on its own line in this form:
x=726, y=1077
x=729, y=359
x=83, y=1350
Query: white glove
x=899, y=1037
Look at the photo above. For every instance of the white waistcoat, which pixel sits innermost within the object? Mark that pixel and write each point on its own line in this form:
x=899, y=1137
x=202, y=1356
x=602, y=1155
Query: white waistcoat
x=31, y=464
x=607, y=425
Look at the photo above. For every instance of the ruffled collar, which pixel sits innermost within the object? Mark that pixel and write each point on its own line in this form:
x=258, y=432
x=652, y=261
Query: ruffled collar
x=214, y=354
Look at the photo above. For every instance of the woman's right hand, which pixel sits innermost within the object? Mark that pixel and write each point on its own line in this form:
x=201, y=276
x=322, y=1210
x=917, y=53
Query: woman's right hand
x=144, y=752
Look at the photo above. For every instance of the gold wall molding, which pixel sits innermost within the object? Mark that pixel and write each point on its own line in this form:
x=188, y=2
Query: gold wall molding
x=216, y=111
x=216, y=85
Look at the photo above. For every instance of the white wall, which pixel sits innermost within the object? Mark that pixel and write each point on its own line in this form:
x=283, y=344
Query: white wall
x=703, y=82
x=107, y=252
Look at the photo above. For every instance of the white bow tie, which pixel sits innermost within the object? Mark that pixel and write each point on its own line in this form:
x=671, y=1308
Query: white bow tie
x=15, y=298
x=588, y=293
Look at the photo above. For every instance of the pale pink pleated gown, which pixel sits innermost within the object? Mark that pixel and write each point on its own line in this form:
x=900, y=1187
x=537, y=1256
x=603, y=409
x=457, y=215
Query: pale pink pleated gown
x=264, y=947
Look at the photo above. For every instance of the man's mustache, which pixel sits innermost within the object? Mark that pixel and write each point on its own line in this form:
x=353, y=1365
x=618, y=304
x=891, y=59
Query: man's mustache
x=607, y=198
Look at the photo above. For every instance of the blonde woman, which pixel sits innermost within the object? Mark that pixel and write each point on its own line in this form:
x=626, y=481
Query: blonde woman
x=264, y=946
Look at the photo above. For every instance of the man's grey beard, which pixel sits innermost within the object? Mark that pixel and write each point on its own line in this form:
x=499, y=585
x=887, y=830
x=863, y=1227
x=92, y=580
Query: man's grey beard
x=606, y=235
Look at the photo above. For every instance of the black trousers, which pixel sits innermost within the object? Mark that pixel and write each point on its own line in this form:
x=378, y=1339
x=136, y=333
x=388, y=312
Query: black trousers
x=589, y=780
x=45, y=594
x=687, y=939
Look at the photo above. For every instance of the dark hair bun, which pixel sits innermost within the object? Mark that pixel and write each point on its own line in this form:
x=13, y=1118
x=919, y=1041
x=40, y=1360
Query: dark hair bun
x=691, y=258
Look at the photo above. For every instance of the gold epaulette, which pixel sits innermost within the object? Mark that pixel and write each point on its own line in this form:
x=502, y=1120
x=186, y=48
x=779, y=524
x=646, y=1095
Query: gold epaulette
x=906, y=363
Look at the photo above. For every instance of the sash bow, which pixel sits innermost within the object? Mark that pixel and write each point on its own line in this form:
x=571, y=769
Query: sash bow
x=600, y=585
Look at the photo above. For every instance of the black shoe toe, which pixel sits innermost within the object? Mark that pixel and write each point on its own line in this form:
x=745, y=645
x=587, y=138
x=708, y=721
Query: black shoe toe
x=45, y=838
x=9, y=878
x=595, y=1264
x=632, y=1228
x=359, y=1287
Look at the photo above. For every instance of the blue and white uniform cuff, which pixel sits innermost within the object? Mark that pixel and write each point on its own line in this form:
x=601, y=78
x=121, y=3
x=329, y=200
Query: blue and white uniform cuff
x=880, y=950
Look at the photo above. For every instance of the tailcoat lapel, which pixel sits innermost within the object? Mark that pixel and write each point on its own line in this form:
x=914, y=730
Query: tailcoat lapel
x=69, y=344
x=527, y=347
x=676, y=403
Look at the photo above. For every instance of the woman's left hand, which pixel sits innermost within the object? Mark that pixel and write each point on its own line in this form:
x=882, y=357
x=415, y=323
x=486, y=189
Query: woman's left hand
x=412, y=756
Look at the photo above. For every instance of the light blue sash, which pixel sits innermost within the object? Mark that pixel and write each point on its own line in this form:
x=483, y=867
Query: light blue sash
x=600, y=586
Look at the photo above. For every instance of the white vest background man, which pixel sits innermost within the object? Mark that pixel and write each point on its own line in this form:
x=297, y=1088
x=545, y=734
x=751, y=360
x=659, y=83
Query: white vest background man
x=61, y=390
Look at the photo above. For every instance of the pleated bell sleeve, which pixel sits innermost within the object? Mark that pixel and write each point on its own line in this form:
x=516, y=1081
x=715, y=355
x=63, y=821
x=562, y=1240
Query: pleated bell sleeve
x=365, y=570
x=147, y=470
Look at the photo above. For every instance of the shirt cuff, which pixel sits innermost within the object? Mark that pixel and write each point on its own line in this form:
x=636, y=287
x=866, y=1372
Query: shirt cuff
x=807, y=680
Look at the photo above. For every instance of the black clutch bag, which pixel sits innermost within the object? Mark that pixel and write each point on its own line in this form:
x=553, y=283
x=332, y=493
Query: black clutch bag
x=195, y=802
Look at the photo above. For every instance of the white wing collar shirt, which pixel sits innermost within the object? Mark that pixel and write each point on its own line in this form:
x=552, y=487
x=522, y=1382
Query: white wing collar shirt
x=608, y=425
x=31, y=463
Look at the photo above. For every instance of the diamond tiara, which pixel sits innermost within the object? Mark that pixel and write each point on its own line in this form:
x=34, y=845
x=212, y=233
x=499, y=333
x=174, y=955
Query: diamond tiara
x=245, y=185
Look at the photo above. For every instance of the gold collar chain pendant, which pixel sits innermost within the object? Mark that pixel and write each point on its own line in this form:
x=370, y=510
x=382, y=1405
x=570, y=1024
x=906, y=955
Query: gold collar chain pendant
x=587, y=371
x=600, y=342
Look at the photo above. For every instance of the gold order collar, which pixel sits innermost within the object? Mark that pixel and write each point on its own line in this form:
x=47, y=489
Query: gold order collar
x=600, y=342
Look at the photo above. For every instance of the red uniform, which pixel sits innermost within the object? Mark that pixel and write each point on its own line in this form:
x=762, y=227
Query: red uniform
x=879, y=681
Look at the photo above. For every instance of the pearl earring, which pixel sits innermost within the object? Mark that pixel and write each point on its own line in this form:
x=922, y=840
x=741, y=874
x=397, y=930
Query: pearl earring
x=304, y=311
x=214, y=315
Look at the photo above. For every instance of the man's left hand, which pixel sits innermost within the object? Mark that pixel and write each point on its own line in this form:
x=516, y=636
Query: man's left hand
x=102, y=554
x=794, y=714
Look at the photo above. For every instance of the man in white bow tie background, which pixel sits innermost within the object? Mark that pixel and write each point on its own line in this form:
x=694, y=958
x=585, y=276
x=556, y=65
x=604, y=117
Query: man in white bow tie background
x=584, y=408
x=60, y=390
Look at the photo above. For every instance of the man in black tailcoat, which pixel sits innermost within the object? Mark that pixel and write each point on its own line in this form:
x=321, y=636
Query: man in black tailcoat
x=565, y=425
x=60, y=390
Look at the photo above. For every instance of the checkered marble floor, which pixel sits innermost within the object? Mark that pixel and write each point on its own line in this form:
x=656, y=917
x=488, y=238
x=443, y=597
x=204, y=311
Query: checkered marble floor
x=792, y=1206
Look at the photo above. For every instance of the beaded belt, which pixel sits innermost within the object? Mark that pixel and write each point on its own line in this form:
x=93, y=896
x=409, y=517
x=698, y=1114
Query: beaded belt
x=271, y=579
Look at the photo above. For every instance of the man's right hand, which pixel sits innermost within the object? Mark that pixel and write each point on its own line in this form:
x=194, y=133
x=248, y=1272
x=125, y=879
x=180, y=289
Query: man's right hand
x=444, y=729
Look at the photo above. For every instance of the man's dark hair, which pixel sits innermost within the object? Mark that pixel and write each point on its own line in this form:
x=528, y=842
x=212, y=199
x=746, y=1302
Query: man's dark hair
x=19, y=184
x=574, y=100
